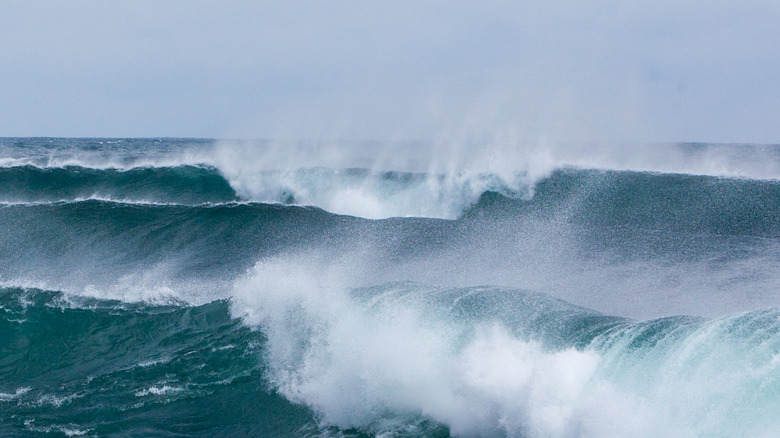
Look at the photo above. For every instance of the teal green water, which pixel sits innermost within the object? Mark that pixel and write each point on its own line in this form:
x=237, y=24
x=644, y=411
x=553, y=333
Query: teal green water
x=104, y=367
x=146, y=289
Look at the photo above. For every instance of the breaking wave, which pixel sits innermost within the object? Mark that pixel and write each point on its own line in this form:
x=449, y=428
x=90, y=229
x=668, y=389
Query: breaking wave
x=173, y=287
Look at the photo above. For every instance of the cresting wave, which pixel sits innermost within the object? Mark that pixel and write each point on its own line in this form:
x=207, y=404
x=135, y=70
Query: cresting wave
x=399, y=359
x=368, y=180
x=582, y=230
x=167, y=288
x=358, y=192
x=635, y=196
x=487, y=361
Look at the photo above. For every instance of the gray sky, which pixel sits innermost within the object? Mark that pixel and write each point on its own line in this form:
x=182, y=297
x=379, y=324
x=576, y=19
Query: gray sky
x=559, y=70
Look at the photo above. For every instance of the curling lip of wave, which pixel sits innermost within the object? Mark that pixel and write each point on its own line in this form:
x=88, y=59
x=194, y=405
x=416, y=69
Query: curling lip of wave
x=489, y=359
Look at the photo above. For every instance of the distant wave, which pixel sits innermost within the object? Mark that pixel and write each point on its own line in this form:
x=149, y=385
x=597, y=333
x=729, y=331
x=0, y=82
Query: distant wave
x=594, y=201
x=102, y=153
x=362, y=179
x=609, y=197
x=583, y=212
x=181, y=184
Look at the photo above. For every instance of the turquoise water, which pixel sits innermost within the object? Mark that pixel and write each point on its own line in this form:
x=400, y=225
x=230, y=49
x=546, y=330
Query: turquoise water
x=149, y=287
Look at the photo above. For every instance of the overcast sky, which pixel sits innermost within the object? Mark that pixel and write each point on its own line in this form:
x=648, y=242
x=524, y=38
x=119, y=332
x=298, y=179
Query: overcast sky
x=569, y=70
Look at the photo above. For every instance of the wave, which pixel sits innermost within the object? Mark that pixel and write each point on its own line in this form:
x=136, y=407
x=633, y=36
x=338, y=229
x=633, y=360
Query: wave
x=400, y=359
x=486, y=361
x=648, y=244
x=174, y=288
x=103, y=153
x=376, y=195
x=592, y=197
x=138, y=251
x=645, y=200
x=82, y=366
x=456, y=174
x=607, y=198
x=689, y=202
x=357, y=192
x=362, y=179
x=182, y=184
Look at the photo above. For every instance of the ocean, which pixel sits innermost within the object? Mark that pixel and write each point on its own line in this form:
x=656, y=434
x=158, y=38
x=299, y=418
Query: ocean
x=197, y=287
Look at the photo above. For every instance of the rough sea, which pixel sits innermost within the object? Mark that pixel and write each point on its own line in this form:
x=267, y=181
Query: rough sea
x=187, y=287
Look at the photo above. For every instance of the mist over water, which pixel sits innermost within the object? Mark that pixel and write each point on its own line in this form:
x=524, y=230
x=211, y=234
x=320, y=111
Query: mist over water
x=703, y=222
x=495, y=362
x=389, y=289
x=458, y=172
x=533, y=248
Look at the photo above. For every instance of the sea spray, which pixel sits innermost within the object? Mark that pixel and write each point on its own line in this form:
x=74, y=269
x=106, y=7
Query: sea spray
x=403, y=351
x=361, y=358
x=171, y=287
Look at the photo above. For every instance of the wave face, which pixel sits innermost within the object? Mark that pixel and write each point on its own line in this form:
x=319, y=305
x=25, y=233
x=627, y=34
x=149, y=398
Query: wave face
x=75, y=367
x=494, y=362
x=182, y=184
x=198, y=287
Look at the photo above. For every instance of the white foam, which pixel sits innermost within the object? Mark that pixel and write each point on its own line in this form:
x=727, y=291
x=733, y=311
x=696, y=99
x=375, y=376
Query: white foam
x=157, y=390
x=355, y=362
x=358, y=362
x=53, y=400
x=124, y=201
x=149, y=363
x=374, y=195
x=108, y=157
x=456, y=173
x=18, y=393
x=153, y=284
x=67, y=430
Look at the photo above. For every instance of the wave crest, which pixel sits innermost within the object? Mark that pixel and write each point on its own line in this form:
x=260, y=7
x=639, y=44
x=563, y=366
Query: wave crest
x=484, y=361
